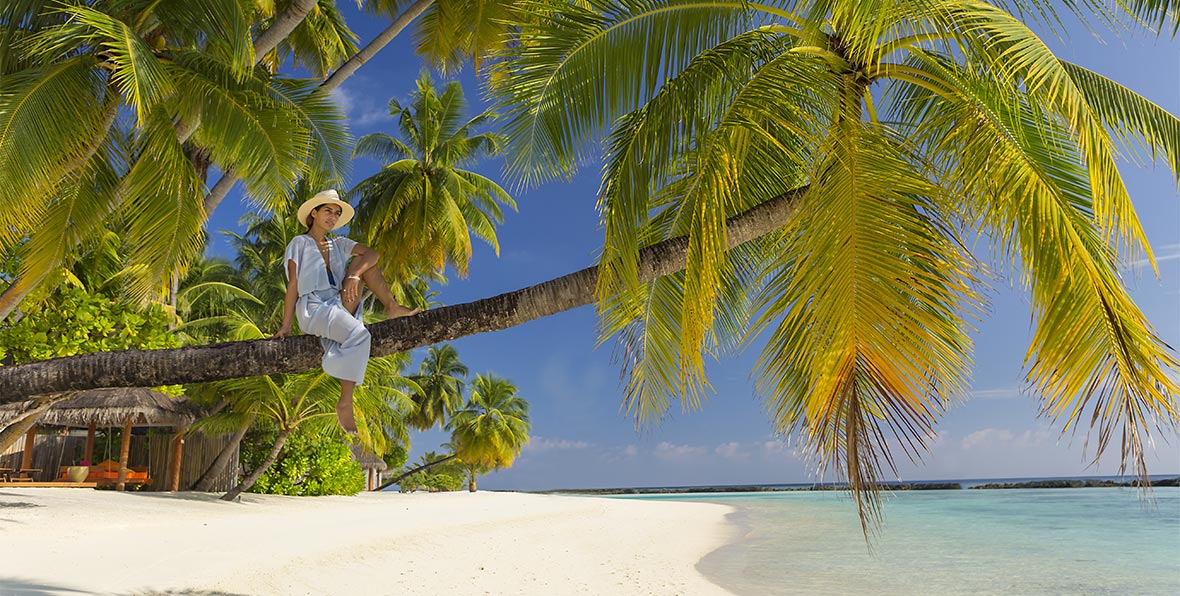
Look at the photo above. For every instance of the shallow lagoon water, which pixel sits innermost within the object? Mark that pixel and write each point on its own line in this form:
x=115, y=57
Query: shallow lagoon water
x=1035, y=542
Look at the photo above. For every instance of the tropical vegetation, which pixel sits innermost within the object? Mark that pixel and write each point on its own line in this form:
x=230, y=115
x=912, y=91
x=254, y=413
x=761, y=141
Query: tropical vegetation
x=900, y=133
x=420, y=209
x=808, y=173
x=309, y=465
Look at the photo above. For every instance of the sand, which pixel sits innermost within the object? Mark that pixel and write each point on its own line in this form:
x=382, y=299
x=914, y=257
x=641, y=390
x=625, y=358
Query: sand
x=73, y=541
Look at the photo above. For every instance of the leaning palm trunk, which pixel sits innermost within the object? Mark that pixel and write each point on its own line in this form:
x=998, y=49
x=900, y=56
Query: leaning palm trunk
x=217, y=468
x=471, y=480
x=262, y=467
x=227, y=181
x=231, y=360
x=21, y=425
x=420, y=468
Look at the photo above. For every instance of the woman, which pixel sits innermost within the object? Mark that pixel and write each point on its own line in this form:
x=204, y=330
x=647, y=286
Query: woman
x=324, y=291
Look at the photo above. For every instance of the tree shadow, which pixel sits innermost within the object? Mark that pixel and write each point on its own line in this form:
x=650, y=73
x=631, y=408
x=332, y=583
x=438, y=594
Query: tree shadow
x=25, y=587
x=10, y=586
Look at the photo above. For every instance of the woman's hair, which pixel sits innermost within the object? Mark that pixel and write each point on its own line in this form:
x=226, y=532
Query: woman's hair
x=307, y=222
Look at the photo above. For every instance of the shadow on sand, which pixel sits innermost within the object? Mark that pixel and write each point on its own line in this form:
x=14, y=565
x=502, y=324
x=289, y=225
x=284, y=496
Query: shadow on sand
x=19, y=587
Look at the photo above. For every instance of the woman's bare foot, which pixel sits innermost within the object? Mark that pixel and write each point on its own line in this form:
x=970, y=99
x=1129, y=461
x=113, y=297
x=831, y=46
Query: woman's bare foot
x=396, y=311
x=345, y=416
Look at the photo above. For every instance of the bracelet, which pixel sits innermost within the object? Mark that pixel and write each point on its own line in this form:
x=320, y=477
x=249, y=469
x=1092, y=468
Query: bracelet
x=356, y=277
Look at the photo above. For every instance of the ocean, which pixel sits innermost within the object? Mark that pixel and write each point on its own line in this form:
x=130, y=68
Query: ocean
x=1029, y=542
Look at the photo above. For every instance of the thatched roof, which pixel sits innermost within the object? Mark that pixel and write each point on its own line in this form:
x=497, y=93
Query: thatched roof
x=367, y=460
x=111, y=407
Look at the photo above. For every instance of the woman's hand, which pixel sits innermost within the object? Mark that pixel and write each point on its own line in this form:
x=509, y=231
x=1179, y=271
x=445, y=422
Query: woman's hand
x=284, y=331
x=351, y=289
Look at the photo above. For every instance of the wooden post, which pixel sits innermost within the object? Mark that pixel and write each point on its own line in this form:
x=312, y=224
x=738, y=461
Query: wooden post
x=26, y=460
x=177, y=451
x=124, y=455
x=88, y=454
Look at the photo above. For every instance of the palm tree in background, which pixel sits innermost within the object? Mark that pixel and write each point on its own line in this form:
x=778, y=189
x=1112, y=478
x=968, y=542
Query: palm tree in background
x=491, y=429
x=441, y=376
x=306, y=400
x=895, y=131
x=420, y=209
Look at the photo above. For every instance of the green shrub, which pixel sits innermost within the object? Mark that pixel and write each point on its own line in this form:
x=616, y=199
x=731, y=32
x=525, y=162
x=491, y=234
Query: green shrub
x=307, y=465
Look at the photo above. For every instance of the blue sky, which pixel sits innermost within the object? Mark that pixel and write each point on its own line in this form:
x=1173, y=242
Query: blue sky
x=581, y=439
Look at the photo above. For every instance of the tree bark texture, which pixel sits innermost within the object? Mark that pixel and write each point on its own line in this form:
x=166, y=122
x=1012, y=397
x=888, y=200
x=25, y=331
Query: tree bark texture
x=217, y=468
x=471, y=480
x=257, y=473
x=229, y=360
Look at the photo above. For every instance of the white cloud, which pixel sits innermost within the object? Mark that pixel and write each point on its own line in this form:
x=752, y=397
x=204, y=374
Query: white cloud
x=781, y=449
x=360, y=110
x=1167, y=252
x=987, y=437
x=674, y=452
x=997, y=393
x=731, y=450
x=547, y=444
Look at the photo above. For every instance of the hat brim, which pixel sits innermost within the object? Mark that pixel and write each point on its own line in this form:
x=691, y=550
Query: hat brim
x=346, y=210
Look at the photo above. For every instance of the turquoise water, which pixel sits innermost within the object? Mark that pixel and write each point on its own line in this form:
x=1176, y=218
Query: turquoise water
x=1035, y=542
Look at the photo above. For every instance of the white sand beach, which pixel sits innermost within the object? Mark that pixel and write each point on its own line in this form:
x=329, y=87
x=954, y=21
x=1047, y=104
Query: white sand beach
x=69, y=541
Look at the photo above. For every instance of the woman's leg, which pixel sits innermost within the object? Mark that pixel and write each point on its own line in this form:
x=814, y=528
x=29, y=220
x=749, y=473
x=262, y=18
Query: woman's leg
x=375, y=282
x=344, y=412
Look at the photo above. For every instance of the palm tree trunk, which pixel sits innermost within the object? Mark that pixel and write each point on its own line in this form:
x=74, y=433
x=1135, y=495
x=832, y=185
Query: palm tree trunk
x=15, y=292
x=257, y=473
x=228, y=179
x=281, y=28
x=470, y=480
x=420, y=468
x=17, y=428
x=217, y=468
x=367, y=53
x=231, y=360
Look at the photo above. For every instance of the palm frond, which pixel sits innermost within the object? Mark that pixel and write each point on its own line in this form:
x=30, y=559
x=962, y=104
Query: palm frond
x=562, y=84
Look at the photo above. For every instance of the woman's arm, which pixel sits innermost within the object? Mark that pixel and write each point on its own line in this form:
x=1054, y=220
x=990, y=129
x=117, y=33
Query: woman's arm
x=363, y=258
x=289, y=300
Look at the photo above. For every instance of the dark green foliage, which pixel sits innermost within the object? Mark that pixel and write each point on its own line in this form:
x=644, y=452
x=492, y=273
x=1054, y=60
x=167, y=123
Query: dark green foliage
x=308, y=465
x=75, y=321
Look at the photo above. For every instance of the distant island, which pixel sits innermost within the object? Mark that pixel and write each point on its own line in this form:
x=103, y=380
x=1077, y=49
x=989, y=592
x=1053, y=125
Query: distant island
x=1079, y=483
x=892, y=486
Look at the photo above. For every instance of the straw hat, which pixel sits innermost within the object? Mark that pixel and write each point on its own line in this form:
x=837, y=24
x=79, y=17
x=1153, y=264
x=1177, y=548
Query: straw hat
x=325, y=197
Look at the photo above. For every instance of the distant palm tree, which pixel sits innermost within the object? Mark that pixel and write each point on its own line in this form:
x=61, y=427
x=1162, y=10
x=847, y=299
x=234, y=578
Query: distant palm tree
x=420, y=210
x=492, y=428
x=441, y=377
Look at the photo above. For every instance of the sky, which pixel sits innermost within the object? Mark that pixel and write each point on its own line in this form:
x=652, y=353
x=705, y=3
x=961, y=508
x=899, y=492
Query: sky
x=581, y=439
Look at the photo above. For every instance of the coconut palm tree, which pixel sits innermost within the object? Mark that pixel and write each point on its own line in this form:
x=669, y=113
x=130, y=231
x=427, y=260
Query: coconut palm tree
x=420, y=209
x=94, y=127
x=897, y=130
x=306, y=400
x=492, y=428
x=441, y=376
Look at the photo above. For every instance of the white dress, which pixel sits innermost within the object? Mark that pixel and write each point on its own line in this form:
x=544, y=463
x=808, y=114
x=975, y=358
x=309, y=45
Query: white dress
x=320, y=311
